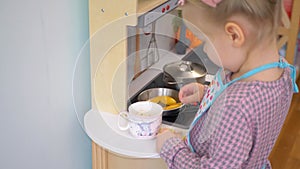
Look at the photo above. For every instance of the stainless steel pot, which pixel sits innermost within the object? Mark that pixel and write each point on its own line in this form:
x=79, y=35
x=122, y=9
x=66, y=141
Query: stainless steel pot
x=154, y=92
x=177, y=74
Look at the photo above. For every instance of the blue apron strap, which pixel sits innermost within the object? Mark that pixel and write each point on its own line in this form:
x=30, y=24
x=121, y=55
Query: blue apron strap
x=283, y=64
x=293, y=76
x=254, y=71
x=188, y=138
x=280, y=64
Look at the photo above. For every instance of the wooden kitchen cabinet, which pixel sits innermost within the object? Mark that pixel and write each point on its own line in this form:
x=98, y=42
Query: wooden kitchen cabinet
x=102, y=159
x=108, y=21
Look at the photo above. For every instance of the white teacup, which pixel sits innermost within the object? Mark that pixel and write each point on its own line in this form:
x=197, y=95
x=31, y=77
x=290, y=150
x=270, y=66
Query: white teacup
x=143, y=119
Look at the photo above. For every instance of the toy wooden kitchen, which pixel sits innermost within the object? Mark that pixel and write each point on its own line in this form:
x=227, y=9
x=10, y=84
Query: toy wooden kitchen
x=131, y=41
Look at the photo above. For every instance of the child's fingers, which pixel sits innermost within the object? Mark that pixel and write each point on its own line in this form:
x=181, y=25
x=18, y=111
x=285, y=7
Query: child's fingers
x=162, y=138
x=161, y=130
x=190, y=99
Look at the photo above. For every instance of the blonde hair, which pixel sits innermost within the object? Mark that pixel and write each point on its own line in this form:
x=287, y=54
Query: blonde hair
x=265, y=15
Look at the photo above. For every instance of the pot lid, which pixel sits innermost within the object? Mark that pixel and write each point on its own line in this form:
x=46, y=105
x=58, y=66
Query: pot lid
x=185, y=69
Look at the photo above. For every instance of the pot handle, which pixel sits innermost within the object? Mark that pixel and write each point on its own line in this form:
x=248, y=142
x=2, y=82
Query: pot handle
x=172, y=83
x=185, y=66
x=123, y=123
x=165, y=79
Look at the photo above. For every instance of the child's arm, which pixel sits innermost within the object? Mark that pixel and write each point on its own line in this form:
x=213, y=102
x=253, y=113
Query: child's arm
x=228, y=147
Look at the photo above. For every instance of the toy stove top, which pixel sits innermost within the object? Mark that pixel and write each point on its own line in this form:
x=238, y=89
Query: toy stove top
x=182, y=117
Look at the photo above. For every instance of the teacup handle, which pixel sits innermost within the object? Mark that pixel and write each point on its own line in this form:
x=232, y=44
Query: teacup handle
x=123, y=116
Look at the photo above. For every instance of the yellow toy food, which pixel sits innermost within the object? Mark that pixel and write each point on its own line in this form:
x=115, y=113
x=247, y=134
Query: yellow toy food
x=163, y=100
x=173, y=106
x=167, y=102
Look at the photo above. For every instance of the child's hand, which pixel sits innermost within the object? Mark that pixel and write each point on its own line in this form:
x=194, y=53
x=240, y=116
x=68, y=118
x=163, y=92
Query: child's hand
x=191, y=93
x=181, y=2
x=162, y=137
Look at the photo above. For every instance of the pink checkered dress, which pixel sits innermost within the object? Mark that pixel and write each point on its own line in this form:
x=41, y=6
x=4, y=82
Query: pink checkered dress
x=238, y=131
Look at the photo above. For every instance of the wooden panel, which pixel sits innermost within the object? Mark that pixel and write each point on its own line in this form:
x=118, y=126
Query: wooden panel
x=103, y=159
x=99, y=157
x=119, y=162
x=106, y=11
x=108, y=21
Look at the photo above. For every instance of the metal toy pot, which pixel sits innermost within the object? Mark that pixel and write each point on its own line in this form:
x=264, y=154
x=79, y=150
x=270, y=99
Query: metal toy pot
x=154, y=92
x=177, y=74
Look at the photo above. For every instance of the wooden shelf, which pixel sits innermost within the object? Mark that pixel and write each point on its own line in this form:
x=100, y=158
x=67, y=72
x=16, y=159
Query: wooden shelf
x=289, y=31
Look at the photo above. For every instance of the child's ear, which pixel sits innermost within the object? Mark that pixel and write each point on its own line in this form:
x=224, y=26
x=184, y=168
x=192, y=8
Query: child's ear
x=235, y=34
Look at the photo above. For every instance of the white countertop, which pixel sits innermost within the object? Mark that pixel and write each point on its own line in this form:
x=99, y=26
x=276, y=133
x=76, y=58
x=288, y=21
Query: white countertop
x=102, y=128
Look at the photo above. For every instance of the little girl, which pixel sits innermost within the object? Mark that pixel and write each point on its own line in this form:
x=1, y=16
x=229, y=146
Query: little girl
x=241, y=113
